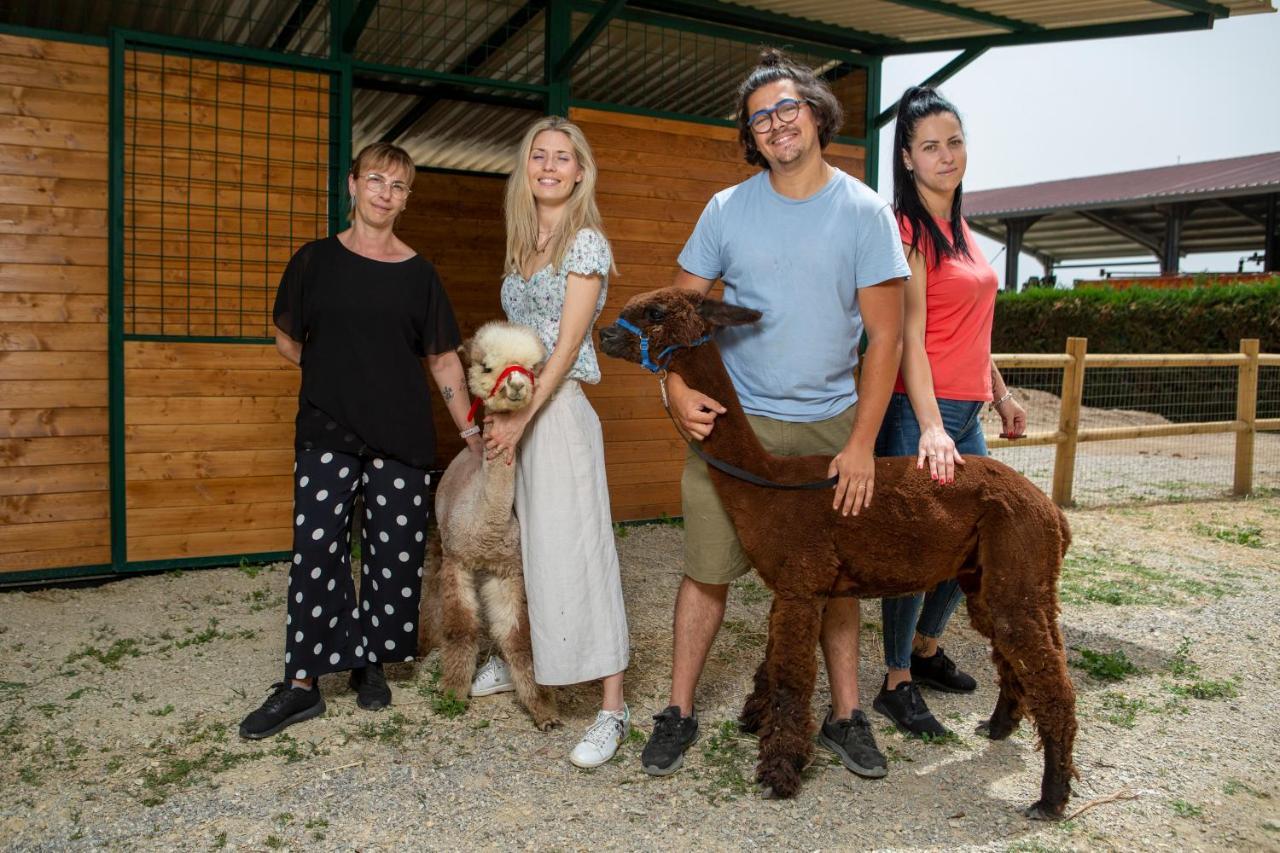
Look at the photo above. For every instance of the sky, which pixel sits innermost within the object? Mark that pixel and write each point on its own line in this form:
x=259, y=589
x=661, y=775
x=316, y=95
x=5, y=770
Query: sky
x=1072, y=109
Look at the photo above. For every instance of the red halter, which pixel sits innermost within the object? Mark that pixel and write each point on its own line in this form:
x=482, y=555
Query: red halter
x=508, y=370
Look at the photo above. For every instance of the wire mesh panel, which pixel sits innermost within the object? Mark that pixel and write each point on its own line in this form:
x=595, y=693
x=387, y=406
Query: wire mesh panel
x=226, y=174
x=1266, y=448
x=682, y=72
x=1038, y=390
x=497, y=39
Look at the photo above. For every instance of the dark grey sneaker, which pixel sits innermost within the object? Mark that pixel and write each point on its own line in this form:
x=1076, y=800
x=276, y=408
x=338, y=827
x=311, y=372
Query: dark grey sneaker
x=941, y=673
x=285, y=706
x=905, y=706
x=672, y=735
x=370, y=684
x=853, y=741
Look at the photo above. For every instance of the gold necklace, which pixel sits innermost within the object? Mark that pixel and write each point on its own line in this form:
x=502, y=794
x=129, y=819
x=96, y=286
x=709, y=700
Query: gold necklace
x=539, y=249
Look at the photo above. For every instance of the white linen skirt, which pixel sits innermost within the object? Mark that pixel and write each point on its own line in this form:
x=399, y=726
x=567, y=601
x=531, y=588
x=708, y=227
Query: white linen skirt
x=576, y=616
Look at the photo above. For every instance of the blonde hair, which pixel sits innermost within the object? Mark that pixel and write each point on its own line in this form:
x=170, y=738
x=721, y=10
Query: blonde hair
x=380, y=155
x=521, y=210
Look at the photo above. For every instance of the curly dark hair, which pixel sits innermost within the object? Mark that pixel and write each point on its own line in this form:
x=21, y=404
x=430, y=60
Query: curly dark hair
x=775, y=65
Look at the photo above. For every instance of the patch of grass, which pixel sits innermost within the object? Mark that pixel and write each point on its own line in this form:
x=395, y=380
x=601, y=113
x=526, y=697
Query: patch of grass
x=211, y=633
x=724, y=755
x=30, y=776
x=949, y=737
x=620, y=530
x=1104, y=666
x=261, y=599
x=1123, y=711
x=10, y=688
x=291, y=750
x=1205, y=688
x=1180, y=664
x=1233, y=786
x=161, y=712
x=177, y=771
x=252, y=569
x=751, y=590
x=1099, y=577
x=126, y=647
x=273, y=842
x=390, y=731
x=1248, y=535
x=447, y=705
x=219, y=841
x=1182, y=808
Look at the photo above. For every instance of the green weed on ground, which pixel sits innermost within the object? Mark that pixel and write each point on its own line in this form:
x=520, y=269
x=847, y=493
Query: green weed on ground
x=1248, y=535
x=726, y=758
x=1102, y=578
x=1104, y=666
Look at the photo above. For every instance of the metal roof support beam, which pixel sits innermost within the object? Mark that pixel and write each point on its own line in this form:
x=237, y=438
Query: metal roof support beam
x=1199, y=7
x=1171, y=253
x=500, y=35
x=774, y=23
x=1271, y=251
x=594, y=27
x=1236, y=206
x=1113, y=222
x=972, y=15
x=1174, y=24
x=359, y=18
x=296, y=19
x=1014, y=230
x=943, y=74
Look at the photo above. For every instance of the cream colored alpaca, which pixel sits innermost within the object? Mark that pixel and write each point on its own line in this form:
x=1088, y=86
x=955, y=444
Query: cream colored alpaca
x=477, y=543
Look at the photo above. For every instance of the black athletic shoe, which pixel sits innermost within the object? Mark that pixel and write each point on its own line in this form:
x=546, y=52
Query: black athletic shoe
x=940, y=673
x=370, y=685
x=905, y=706
x=672, y=735
x=853, y=741
x=285, y=706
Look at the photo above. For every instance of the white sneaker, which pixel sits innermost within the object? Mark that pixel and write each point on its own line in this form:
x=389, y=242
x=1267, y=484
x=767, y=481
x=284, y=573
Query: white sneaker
x=493, y=677
x=603, y=738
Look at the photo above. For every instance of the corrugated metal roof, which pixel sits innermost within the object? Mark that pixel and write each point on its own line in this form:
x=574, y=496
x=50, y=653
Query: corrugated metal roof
x=1238, y=176
x=1125, y=213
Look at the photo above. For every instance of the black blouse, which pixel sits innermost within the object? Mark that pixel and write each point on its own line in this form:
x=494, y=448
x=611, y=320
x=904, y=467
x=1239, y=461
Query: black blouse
x=364, y=326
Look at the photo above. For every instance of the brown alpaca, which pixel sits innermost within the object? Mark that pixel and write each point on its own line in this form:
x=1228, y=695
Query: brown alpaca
x=992, y=529
x=477, y=538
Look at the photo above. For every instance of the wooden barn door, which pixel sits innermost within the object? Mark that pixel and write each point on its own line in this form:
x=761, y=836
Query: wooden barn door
x=224, y=169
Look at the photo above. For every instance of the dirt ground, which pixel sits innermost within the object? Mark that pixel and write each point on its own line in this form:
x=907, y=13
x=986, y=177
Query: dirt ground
x=119, y=704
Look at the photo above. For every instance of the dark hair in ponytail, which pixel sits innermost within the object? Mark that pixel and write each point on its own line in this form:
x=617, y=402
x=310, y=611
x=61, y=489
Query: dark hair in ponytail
x=917, y=103
x=774, y=65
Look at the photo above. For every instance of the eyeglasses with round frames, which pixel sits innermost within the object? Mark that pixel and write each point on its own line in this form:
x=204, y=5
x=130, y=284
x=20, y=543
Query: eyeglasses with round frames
x=376, y=183
x=786, y=110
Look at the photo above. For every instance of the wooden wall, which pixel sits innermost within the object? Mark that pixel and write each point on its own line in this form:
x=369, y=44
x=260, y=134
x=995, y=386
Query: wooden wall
x=54, y=504
x=208, y=449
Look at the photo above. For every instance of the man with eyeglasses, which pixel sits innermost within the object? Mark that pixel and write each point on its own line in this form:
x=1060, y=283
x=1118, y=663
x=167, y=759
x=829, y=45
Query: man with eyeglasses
x=818, y=252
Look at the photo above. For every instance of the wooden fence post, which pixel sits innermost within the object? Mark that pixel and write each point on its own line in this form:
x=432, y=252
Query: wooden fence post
x=1064, y=459
x=1246, y=412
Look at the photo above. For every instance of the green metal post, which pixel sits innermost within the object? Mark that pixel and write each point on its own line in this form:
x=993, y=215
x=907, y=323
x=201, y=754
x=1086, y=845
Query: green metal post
x=558, y=31
x=115, y=306
x=872, y=178
x=339, y=115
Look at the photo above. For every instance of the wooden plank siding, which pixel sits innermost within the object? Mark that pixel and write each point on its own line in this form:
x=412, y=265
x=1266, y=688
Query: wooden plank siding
x=656, y=175
x=208, y=449
x=54, y=503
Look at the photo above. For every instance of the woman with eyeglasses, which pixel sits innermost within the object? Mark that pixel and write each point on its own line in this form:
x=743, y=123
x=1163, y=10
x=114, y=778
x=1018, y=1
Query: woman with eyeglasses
x=557, y=272
x=947, y=376
x=360, y=312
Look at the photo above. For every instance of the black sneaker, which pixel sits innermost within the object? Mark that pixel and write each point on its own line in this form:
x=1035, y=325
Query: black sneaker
x=853, y=741
x=905, y=706
x=672, y=735
x=370, y=684
x=940, y=673
x=285, y=706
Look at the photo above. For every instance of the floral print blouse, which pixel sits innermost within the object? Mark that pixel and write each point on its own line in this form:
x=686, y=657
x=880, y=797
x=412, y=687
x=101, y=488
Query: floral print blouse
x=538, y=301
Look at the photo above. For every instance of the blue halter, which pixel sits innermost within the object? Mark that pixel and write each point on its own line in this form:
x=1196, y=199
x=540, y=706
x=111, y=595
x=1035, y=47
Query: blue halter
x=664, y=357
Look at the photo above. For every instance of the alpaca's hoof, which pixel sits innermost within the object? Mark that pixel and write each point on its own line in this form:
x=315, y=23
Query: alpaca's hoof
x=778, y=782
x=750, y=724
x=993, y=730
x=1040, y=810
x=546, y=724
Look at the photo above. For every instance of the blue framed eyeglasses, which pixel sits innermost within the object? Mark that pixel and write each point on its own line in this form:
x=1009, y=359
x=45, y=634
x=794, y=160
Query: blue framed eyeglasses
x=786, y=110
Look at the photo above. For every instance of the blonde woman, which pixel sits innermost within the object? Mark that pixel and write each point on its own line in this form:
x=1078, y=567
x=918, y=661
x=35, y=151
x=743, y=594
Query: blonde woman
x=557, y=269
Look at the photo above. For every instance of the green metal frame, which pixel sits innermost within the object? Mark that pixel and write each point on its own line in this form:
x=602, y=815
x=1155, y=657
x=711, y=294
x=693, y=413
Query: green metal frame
x=53, y=35
x=964, y=13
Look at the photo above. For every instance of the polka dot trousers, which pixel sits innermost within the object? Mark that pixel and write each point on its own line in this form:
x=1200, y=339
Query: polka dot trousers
x=327, y=630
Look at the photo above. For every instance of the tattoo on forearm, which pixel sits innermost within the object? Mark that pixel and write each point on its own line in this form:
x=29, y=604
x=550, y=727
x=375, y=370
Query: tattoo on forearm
x=447, y=393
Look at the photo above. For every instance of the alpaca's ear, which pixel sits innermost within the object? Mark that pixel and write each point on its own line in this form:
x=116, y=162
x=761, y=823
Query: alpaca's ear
x=719, y=313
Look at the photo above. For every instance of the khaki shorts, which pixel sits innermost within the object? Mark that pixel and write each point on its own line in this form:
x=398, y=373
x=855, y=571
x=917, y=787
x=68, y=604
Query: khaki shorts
x=712, y=554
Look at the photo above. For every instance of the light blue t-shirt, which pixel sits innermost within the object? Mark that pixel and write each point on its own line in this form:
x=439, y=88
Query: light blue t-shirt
x=801, y=262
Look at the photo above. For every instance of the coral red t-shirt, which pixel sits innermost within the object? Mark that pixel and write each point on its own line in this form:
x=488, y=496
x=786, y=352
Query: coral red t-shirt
x=960, y=299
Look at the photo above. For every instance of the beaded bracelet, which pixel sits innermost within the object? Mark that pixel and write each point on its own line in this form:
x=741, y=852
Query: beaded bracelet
x=1008, y=395
x=470, y=431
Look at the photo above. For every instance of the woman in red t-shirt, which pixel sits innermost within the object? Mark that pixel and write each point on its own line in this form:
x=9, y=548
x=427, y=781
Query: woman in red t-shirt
x=947, y=375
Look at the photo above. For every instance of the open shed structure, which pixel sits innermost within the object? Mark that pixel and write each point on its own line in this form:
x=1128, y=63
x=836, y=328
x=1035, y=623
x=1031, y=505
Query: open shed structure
x=1169, y=211
x=162, y=159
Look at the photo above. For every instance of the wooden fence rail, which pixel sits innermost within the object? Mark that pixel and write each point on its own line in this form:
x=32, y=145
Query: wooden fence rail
x=1076, y=361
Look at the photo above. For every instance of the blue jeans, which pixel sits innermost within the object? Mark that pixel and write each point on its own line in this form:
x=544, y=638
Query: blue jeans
x=900, y=436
